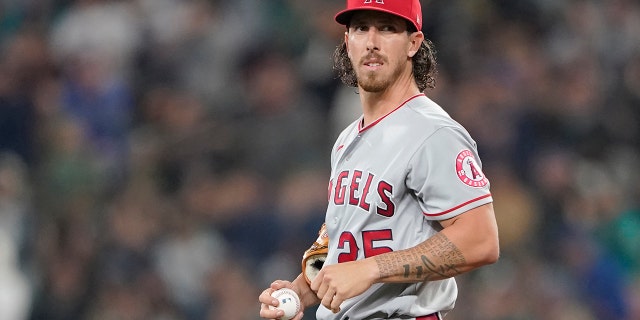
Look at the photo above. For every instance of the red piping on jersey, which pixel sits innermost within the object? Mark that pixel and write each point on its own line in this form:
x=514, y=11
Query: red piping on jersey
x=456, y=207
x=360, y=129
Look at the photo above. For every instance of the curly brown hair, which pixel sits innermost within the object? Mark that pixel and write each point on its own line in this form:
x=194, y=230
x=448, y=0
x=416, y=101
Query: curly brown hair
x=424, y=66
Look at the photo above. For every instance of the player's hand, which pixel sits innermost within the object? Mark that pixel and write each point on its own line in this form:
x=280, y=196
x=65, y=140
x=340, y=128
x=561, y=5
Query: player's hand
x=338, y=282
x=267, y=300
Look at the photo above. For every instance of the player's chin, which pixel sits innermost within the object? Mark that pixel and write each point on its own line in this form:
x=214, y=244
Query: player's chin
x=372, y=84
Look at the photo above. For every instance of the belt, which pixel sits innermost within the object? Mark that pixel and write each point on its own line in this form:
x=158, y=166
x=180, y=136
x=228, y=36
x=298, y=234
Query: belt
x=433, y=316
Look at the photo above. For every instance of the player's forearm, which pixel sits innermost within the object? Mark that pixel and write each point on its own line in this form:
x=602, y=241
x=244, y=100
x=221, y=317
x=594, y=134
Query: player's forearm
x=435, y=259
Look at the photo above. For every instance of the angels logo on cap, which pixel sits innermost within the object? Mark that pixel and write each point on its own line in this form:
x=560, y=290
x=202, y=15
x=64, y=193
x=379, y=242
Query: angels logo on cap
x=407, y=9
x=469, y=171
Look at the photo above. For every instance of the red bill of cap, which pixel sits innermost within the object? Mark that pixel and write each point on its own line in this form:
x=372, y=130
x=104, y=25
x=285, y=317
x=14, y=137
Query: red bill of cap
x=408, y=9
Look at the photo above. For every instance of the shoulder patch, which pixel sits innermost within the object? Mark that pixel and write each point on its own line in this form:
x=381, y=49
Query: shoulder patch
x=469, y=171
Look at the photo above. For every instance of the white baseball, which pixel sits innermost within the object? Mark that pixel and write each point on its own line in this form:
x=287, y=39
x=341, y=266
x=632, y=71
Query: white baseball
x=289, y=302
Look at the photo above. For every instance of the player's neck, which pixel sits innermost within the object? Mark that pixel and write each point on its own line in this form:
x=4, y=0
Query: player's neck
x=379, y=104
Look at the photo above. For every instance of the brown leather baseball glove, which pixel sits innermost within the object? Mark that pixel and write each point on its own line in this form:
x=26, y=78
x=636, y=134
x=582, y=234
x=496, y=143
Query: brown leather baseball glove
x=313, y=259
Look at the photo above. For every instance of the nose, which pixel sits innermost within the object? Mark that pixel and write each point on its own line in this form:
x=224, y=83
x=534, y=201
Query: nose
x=372, y=40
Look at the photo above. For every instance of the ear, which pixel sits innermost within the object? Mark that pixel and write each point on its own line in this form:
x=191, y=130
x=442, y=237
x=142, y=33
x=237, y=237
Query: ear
x=346, y=42
x=415, y=41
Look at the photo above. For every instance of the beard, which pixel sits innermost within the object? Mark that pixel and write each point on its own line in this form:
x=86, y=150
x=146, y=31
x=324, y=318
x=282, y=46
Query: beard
x=371, y=81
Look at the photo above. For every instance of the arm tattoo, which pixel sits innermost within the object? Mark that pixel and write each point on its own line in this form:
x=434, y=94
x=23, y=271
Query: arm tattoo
x=436, y=258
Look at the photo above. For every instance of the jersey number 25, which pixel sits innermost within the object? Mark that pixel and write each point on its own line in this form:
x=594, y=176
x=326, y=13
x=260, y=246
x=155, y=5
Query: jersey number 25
x=368, y=238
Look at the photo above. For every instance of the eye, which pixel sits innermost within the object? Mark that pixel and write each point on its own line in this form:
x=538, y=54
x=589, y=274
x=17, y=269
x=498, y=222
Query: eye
x=388, y=28
x=360, y=27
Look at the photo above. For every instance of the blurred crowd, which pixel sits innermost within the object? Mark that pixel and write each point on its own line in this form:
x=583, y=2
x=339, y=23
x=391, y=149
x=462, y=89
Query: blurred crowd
x=168, y=159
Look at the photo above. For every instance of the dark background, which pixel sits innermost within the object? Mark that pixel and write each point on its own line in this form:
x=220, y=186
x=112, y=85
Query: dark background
x=168, y=159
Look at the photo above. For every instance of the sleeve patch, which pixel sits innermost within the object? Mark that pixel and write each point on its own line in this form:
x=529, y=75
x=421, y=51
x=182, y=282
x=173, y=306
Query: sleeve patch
x=468, y=170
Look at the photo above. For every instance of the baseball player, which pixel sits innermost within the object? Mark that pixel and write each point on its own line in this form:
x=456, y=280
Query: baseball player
x=409, y=206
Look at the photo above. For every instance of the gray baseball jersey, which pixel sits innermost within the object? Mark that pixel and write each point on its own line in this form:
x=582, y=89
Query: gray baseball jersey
x=390, y=183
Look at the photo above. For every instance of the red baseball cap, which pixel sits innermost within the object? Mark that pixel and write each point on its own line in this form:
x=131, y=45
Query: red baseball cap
x=408, y=9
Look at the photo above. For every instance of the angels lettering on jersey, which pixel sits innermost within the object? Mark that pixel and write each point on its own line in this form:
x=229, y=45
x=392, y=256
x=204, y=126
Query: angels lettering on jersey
x=353, y=187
